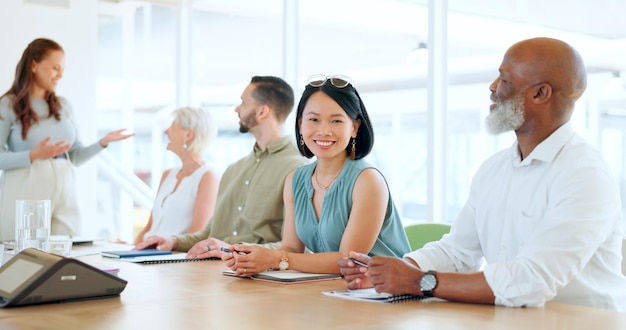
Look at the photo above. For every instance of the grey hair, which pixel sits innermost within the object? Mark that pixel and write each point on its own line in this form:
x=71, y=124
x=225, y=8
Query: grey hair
x=200, y=122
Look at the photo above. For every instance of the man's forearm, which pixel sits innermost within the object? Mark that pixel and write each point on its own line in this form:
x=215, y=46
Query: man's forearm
x=464, y=287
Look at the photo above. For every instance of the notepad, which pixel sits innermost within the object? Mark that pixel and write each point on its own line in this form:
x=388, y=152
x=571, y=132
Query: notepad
x=372, y=296
x=287, y=276
x=133, y=253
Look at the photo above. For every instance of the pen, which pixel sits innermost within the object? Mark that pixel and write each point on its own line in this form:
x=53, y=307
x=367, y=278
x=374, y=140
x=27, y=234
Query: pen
x=360, y=263
x=227, y=250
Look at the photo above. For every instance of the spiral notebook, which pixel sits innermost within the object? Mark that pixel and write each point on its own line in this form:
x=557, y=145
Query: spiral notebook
x=163, y=258
x=372, y=296
x=166, y=259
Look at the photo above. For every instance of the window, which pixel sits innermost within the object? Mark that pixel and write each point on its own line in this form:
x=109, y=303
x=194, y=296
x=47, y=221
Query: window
x=380, y=46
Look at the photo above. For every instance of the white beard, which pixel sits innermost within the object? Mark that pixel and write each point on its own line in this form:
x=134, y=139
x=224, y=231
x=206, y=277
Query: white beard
x=506, y=116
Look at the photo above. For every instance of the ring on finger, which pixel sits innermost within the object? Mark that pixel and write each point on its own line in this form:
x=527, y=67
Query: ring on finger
x=208, y=247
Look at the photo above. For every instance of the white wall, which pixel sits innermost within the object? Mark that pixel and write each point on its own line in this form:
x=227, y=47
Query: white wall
x=75, y=27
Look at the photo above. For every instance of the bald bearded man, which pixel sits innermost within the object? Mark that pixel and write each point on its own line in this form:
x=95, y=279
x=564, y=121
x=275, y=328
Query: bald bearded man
x=544, y=215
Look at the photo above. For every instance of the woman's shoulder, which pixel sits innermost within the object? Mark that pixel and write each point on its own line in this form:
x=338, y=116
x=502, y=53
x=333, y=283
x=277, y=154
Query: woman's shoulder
x=208, y=167
x=208, y=171
x=363, y=171
x=6, y=101
x=358, y=166
x=65, y=104
x=6, y=106
x=303, y=171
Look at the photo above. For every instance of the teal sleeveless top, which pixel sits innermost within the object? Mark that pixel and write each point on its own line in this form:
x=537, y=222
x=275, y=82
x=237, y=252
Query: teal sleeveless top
x=325, y=235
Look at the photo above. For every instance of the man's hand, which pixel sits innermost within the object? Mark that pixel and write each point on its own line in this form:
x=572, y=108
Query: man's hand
x=394, y=275
x=355, y=275
x=207, y=248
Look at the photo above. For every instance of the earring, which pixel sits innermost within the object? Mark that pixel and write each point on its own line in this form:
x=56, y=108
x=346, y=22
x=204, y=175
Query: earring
x=184, y=145
x=301, y=140
x=352, y=152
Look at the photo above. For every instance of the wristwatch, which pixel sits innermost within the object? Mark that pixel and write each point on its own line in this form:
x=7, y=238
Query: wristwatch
x=428, y=283
x=284, y=262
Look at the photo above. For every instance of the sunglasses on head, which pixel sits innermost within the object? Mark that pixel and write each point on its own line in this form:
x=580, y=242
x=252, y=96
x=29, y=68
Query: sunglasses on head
x=318, y=80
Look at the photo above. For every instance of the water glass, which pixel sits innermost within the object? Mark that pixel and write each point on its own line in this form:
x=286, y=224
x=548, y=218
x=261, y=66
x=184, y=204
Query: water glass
x=32, y=224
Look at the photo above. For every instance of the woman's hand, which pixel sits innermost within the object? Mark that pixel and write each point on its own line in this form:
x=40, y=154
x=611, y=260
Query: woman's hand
x=246, y=260
x=114, y=136
x=157, y=242
x=45, y=150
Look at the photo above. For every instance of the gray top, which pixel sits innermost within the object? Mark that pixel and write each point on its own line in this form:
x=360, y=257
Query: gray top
x=15, y=151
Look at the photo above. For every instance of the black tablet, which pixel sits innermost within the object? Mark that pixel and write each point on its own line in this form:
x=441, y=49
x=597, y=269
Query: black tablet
x=34, y=277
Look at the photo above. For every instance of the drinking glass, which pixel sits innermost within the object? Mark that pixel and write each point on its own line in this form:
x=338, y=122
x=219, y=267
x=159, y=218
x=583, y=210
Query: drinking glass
x=32, y=224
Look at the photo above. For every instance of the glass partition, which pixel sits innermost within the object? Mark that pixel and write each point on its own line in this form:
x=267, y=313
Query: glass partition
x=382, y=45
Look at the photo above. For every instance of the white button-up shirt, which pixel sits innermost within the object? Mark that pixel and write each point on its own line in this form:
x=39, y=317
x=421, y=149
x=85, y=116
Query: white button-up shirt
x=549, y=227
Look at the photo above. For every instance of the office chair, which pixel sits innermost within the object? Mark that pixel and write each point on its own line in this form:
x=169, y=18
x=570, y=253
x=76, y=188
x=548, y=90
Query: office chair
x=422, y=233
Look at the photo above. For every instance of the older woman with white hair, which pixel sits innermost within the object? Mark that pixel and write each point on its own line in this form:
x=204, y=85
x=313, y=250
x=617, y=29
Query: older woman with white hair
x=186, y=197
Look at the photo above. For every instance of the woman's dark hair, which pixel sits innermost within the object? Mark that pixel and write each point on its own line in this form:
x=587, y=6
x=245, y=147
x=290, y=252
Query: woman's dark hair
x=350, y=101
x=36, y=51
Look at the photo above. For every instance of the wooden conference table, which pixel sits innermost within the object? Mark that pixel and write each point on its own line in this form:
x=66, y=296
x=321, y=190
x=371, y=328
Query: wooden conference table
x=195, y=295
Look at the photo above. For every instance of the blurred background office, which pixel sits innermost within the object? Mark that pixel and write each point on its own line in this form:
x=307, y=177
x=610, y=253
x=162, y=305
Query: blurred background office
x=423, y=67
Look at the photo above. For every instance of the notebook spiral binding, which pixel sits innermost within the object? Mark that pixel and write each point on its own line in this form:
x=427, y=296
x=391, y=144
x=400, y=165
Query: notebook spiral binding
x=402, y=298
x=149, y=262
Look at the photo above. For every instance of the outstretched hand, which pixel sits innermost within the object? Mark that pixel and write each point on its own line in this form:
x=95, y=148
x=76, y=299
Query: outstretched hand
x=115, y=136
